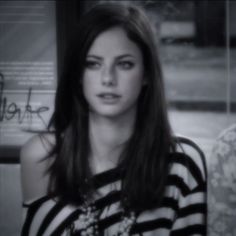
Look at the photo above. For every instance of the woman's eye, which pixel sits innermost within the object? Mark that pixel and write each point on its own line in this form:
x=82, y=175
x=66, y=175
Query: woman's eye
x=126, y=64
x=92, y=65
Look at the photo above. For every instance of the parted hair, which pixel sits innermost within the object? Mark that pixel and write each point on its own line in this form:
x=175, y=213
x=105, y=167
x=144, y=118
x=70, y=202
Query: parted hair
x=144, y=161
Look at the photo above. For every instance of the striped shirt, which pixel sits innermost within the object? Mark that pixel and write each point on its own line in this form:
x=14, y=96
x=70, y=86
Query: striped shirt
x=183, y=209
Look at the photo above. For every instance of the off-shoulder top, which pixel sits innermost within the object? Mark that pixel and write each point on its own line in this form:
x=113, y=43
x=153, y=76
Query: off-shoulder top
x=182, y=212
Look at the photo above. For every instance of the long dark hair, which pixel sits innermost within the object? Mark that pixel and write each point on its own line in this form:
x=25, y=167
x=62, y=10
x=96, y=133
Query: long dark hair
x=144, y=161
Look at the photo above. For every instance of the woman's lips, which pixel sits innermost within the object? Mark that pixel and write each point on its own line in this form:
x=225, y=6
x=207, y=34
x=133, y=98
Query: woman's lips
x=109, y=98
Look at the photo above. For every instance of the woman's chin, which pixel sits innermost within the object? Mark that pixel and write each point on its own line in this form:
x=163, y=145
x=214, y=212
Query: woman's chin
x=112, y=112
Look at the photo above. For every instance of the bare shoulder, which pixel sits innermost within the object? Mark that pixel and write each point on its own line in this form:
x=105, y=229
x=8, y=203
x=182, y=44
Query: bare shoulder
x=34, y=166
x=37, y=147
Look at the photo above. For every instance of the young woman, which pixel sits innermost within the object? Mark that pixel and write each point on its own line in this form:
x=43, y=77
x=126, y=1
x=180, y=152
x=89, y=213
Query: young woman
x=111, y=165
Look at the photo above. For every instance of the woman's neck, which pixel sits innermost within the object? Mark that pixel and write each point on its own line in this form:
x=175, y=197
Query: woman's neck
x=107, y=138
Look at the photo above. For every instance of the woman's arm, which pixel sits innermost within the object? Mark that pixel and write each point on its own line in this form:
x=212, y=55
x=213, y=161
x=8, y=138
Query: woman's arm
x=191, y=218
x=34, y=176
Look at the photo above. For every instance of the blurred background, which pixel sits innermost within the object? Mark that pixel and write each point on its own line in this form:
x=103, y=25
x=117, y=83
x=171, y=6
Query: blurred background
x=196, y=43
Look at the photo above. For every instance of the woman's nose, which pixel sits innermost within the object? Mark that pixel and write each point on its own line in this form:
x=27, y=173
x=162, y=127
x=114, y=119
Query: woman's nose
x=108, y=76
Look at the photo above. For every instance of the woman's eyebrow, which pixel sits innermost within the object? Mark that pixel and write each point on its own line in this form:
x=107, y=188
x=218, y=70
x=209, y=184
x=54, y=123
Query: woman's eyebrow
x=124, y=55
x=95, y=57
x=117, y=57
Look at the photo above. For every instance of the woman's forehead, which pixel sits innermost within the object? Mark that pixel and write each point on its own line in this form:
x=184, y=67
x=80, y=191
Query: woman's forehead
x=114, y=42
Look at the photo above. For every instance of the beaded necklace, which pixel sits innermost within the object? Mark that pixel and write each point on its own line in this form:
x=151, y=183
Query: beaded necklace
x=87, y=222
x=89, y=216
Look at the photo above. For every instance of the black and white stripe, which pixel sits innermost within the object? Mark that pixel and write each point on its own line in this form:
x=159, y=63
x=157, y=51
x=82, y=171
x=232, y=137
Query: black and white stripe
x=183, y=210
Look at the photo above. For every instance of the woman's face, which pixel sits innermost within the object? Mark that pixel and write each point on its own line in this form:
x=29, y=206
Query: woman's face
x=113, y=74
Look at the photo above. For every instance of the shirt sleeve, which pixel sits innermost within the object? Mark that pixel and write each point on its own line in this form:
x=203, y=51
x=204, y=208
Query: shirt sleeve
x=191, y=216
